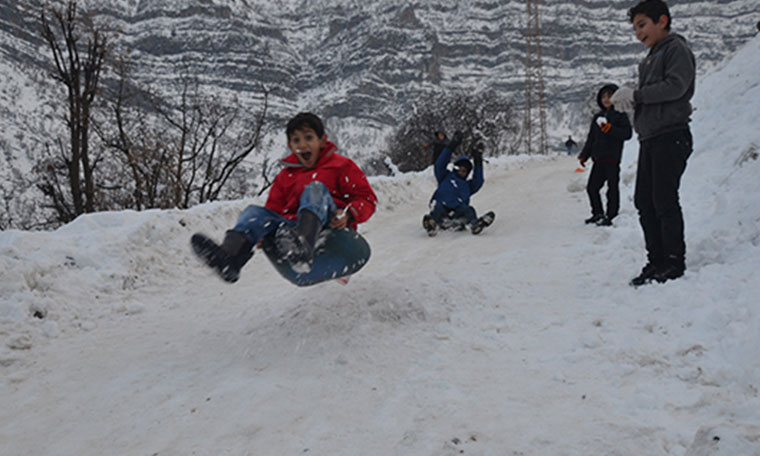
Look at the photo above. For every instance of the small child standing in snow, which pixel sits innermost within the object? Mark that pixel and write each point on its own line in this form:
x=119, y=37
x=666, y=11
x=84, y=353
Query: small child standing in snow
x=317, y=188
x=662, y=111
x=604, y=145
x=452, y=197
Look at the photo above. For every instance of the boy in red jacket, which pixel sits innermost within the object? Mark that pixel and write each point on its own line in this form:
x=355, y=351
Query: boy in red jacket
x=317, y=188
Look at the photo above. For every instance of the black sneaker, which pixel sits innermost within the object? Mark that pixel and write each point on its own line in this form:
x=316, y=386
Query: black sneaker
x=594, y=219
x=483, y=222
x=669, y=272
x=604, y=221
x=646, y=276
x=428, y=222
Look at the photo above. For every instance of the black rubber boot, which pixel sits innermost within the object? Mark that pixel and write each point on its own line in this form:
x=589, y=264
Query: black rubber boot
x=604, y=221
x=674, y=268
x=646, y=275
x=299, y=244
x=226, y=259
x=428, y=222
x=594, y=219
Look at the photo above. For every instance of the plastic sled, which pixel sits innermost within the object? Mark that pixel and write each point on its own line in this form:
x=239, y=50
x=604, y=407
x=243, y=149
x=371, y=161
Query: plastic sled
x=339, y=254
x=452, y=223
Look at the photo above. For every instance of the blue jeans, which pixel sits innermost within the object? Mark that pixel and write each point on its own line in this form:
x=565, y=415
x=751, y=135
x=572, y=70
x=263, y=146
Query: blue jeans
x=255, y=222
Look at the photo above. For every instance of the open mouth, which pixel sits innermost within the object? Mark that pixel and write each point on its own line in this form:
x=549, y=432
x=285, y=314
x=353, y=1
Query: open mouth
x=304, y=154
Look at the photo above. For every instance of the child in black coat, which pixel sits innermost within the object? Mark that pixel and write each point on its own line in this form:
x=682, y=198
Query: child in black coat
x=604, y=145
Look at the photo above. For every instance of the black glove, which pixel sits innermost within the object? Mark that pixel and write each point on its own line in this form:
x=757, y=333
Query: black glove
x=477, y=154
x=456, y=141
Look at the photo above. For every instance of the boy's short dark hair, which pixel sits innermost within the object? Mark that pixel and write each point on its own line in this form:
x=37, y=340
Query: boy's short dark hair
x=653, y=9
x=305, y=120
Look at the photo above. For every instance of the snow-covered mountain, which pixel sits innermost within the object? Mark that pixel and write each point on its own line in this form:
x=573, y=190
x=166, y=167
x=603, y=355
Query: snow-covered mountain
x=361, y=65
x=524, y=340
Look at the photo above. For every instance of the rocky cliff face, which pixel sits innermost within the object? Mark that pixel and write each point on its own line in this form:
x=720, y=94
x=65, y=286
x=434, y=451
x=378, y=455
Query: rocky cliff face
x=362, y=64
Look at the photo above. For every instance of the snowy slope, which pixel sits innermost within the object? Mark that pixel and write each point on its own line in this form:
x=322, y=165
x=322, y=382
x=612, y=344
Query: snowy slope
x=525, y=340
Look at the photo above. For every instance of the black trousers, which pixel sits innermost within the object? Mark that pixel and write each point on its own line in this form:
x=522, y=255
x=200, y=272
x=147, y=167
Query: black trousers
x=462, y=211
x=601, y=173
x=662, y=161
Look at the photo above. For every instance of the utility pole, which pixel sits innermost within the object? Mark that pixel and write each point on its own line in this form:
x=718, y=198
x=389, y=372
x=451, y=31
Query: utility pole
x=535, y=113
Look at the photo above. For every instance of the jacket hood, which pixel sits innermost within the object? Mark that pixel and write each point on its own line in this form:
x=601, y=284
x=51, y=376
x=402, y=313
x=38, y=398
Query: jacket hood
x=464, y=161
x=612, y=87
x=671, y=36
x=327, y=150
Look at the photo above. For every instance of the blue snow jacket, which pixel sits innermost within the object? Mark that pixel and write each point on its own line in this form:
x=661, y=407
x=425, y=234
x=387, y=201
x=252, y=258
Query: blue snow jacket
x=453, y=191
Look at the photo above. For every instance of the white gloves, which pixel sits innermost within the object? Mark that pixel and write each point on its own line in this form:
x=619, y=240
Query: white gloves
x=603, y=124
x=622, y=99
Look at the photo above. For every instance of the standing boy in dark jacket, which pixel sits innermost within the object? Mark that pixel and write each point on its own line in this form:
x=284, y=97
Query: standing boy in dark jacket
x=604, y=144
x=661, y=118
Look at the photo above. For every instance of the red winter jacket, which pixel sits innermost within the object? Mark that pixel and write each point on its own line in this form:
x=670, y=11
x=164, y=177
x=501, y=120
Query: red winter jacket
x=347, y=184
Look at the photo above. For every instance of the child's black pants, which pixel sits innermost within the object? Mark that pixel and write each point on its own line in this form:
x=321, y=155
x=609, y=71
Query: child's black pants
x=603, y=172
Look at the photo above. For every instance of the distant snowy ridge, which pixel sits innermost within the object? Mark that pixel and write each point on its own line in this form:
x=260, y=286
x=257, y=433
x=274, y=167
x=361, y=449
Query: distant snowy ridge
x=362, y=64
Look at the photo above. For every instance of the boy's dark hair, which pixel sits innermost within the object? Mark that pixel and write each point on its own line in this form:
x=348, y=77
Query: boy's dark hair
x=653, y=9
x=305, y=120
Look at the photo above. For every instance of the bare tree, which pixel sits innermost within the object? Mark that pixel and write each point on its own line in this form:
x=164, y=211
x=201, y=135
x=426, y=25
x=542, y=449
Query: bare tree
x=181, y=146
x=133, y=147
x=79, y=49
x=267, y=174
x=208, y=139
x=140, y=166
x=486, y=117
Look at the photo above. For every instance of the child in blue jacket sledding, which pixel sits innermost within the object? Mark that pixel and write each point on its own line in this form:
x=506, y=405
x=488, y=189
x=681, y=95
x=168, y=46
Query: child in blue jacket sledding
x=451, y=200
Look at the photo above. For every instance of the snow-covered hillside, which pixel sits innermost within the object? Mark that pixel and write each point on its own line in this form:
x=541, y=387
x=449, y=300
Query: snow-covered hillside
x=525, y=340
x=362, y=65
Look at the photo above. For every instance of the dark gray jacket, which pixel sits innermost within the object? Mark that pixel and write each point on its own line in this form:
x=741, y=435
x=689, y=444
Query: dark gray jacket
x=666, y=84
